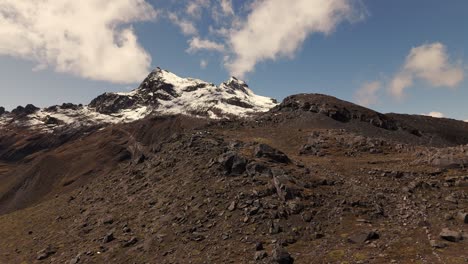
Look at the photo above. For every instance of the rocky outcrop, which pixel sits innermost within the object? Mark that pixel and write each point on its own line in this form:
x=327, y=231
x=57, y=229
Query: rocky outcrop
x=452, y=157
x=24, y=111
x=336, y=109
x=265, y=151
x=110, y=103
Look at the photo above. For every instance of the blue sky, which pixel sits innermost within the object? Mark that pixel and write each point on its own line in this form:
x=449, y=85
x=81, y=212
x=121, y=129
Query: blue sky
x=353, y=46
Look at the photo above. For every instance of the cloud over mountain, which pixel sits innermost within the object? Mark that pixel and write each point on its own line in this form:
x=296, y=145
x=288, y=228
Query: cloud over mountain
x=277, y=28
x=367, y=94
x=429, y=63
x=435, y=114
x=92, y=39
x=263, y=30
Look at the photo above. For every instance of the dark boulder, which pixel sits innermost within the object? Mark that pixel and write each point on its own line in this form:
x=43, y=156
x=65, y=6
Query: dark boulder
x=232, y=163
x=281, y=256
x=265, y=151
x=2, y=111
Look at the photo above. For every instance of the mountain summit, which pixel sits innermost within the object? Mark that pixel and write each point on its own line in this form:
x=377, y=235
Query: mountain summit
x=161, y=93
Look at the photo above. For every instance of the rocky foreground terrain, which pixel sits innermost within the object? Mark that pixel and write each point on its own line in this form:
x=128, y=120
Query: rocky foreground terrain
x=312, y=180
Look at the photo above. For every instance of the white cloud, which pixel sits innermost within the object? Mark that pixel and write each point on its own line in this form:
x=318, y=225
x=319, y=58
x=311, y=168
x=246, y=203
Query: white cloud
x=367, y=94
x=435, y=114
x=195, y=7
x=187, y=27
x=91, y=39
x=197, y=44
x=430, y=63
x=226, y=7
x=203, y=64
x=399, y=83
x=278, y=28
x=466, y=120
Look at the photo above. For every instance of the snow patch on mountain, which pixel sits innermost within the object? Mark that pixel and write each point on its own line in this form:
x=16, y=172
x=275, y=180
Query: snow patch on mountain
x=161, y=93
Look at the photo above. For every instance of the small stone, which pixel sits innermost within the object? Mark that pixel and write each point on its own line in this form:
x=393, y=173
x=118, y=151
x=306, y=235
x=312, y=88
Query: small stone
x=361, y=237
x=448, y=216
x=451, y=199
x=107, y=220
x=232, y=206
x=46, y=252
x=274, y=229
x=132, y=241
x=108, y=238
x=265, y=151
x=307, y=217
x=281, y=256
x=437, y=244
x=76, y=259
x=463, y=217
x=295, y=206
x=449, y=235
x=259, y=255
x=259, y=246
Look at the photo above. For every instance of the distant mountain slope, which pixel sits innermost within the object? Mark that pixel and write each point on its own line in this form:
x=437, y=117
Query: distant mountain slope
x=330, y=112
x=161, y=93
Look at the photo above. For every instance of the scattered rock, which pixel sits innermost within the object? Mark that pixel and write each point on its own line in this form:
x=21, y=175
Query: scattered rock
x=449, y=235
x=285, y=188
x=437, y=244
x=254, y=168
x=307, y=217
x=462, y=216
x=46, y=252
x=76, y=259
x=281, y=256
x=295, y=206
x=265, y=151
x=361, y=237
x=132, y=241
x=49, y=120
x=274, y=228
x=259, y=246
x=233, y=164
x=232, y=206
x=448, y=216
x=259, y=255
x=107, y=220
x=108, y=237
x=451, y=198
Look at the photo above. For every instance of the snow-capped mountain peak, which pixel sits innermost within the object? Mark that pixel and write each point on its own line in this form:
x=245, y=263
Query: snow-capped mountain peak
x=161, y=93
